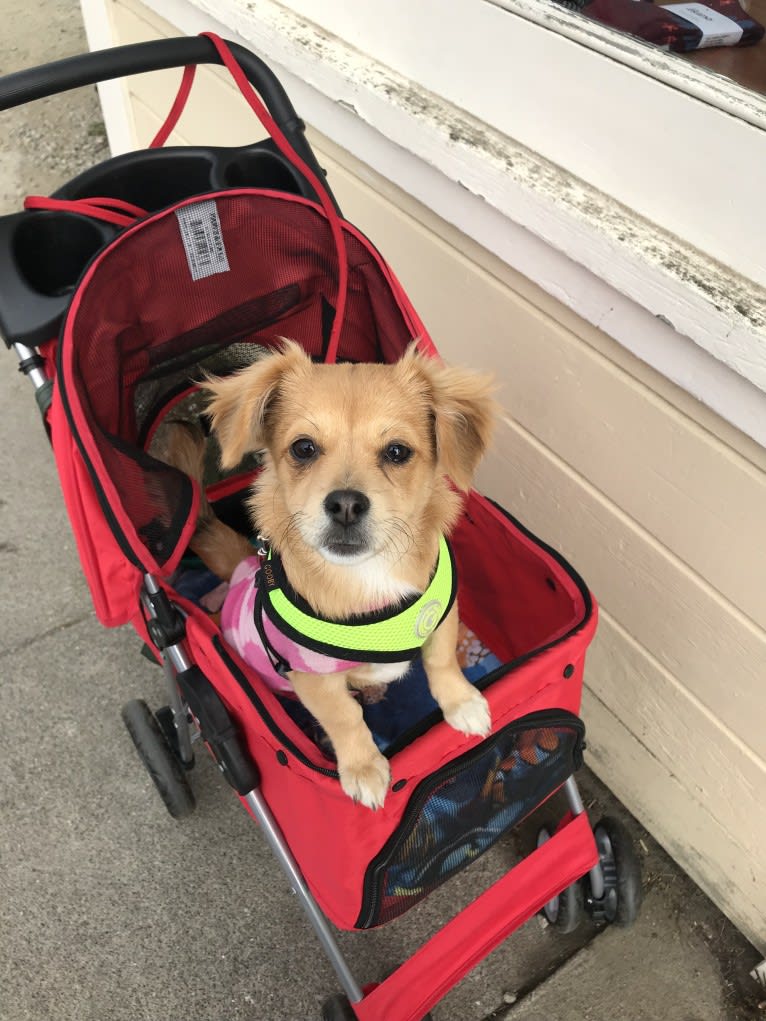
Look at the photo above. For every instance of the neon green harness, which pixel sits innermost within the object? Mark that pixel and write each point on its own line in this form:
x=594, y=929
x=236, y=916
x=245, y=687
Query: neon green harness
x=390, y=635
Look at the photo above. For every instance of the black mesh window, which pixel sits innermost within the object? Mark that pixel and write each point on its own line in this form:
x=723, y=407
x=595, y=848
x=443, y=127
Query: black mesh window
x=458, y=813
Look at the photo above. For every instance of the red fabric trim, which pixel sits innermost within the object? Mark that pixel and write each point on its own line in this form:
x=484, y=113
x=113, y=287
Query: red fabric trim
x=232, y=484
x=168, y=407
x=120, y=204
x=187, y=80
x=287, y=150
x=97, y=208
x=114, y=582
x=432, y=971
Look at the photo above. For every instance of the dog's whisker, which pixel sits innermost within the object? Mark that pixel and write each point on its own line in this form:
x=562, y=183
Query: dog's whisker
x=400, y=537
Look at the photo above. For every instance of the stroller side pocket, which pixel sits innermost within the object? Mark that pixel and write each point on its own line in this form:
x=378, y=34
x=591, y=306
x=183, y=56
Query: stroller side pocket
x=459, y=812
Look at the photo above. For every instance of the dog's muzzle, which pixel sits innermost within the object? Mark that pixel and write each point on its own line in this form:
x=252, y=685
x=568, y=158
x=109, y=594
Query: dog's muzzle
x=347, y=534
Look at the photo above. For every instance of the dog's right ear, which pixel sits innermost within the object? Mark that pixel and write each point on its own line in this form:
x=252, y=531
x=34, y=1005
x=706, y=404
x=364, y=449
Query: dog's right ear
x=239, y=405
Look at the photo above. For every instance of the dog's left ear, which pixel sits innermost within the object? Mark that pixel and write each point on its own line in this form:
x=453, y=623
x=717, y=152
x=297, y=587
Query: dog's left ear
x=464, y=412
x=239, y=405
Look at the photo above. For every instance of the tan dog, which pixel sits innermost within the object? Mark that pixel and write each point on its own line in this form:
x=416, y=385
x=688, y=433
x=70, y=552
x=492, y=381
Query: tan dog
x=353, y=497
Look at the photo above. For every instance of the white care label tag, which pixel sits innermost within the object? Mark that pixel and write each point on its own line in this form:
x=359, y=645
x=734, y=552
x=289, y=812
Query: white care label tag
x=717, y=29
x=203, y=240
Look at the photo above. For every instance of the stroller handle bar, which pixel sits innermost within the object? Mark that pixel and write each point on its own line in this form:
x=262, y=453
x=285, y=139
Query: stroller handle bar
x=157, y=55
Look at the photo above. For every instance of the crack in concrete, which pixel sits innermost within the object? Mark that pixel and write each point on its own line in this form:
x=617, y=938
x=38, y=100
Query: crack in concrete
x=18, y=646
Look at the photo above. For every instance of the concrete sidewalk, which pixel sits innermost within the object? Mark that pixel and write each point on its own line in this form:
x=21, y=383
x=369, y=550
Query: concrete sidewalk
x=110, y=910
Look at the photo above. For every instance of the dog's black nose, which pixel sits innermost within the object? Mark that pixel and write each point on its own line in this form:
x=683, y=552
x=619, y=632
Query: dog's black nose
x=346, y=506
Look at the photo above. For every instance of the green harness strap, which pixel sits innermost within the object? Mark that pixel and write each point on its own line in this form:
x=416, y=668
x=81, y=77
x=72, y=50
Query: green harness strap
x=386, y=636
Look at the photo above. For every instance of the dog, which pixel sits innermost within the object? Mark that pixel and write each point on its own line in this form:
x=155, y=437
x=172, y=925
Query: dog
x=354, y=501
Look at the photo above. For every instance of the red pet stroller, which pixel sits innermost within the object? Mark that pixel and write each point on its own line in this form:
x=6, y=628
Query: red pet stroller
x=117, y=293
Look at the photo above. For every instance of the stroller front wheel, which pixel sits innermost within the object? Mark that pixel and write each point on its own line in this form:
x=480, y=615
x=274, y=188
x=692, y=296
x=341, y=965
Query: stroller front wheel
x=161, y=764
x=565, y=911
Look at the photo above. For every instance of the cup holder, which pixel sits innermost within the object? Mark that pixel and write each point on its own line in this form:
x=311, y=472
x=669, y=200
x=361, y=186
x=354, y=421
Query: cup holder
x=261, y=169
x=51, y=249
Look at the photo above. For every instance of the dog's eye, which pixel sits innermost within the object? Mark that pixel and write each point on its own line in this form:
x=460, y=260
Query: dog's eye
x=303, y=450
x=397, y=453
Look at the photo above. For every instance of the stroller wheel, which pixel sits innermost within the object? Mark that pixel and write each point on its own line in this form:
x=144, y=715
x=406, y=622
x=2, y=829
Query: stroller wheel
x=622, y=875
x=565, y=911
x=160, y=762
x=164, y=717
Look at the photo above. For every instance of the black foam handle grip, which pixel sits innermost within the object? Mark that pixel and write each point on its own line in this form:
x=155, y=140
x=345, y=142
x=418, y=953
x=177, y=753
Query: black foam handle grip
x=157, y=55
x=103, y=65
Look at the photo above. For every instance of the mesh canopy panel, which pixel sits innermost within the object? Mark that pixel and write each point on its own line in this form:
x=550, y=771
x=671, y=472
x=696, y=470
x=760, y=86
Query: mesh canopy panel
x=142, y=330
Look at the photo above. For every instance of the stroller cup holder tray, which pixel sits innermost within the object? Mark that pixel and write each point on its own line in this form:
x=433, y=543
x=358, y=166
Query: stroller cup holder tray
x=43, y=253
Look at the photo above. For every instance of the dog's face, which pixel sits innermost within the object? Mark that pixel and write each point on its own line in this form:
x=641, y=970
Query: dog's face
x=356, y=454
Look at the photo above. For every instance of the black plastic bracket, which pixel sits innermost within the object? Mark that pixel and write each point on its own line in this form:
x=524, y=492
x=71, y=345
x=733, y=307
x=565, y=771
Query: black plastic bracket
x=167, y=626
x=218, y=730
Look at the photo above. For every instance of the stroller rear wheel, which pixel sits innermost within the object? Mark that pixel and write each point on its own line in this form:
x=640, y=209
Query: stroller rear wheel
x=158, y=758
x=621, y=868
x=564, y=911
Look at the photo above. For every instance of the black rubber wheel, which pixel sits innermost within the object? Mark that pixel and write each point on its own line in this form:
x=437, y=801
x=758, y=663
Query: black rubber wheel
x=622, y=874
x=164, y=716
x=565, y=911
x=158, y=758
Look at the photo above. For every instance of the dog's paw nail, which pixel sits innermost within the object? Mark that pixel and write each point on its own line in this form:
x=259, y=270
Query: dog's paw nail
x=367, y=783
x=471, y=716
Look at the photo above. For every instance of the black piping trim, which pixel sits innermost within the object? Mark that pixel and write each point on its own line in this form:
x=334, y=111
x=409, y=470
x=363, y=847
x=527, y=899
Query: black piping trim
x=262, y=711
x=560, y=560
x=155, y=412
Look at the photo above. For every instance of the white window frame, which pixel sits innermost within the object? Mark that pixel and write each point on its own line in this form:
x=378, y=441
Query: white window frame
x=493, y=59
x=595, y=215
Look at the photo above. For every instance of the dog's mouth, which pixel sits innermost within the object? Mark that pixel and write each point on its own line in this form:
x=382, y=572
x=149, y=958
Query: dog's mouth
x=345, y=545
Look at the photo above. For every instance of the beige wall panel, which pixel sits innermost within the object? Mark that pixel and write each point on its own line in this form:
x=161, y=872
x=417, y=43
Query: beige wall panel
x=687, y=828
x=707, y=760
x=694, y=635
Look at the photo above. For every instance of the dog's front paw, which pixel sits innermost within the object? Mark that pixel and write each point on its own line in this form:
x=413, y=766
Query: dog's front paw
x=368, y=781
x=471, y=716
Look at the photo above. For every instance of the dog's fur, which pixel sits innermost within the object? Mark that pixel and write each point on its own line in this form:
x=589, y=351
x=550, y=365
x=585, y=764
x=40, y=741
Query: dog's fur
x=359, y=419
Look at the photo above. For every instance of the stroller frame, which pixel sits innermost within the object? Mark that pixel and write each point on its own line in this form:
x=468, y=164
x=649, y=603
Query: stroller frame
x=570, y=854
